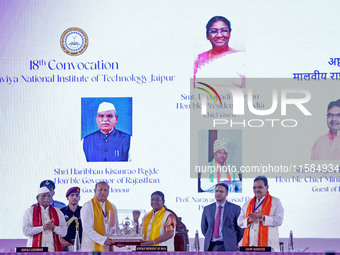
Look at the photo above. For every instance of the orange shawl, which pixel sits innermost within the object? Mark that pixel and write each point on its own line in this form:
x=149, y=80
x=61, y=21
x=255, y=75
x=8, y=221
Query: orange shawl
x=263, y=230
x=37, y=221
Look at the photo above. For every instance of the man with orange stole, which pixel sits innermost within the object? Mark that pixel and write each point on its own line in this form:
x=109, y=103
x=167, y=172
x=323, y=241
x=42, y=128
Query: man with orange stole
x=260, y=217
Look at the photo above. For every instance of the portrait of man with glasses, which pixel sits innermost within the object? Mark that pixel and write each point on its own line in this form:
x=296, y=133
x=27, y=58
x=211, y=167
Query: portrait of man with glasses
x=107, y=143
x=327, y=147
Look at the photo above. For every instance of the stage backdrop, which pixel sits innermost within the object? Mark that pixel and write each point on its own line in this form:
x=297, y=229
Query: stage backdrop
x=60, y=58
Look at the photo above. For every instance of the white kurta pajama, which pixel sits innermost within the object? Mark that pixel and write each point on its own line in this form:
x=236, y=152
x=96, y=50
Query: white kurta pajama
x=90, y=236
x=47, y=235
x=273, y=221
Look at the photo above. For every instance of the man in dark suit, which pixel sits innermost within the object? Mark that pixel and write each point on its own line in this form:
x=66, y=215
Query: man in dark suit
x=219, y=223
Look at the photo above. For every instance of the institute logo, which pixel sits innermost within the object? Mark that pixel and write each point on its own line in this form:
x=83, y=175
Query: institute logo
x=74, y=41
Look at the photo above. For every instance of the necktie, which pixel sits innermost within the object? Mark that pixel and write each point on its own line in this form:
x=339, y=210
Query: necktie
x=217, y=222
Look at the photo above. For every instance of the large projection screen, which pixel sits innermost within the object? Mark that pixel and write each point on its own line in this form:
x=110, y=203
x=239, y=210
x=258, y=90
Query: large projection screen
x=140, y=56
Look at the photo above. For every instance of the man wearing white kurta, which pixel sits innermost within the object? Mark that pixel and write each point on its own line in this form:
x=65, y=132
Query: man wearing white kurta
x=47, y=227
x=260, y=217
x=92, y=240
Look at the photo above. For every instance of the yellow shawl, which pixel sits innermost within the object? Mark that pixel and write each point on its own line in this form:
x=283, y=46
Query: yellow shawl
x=156, y=224
x=99, y=225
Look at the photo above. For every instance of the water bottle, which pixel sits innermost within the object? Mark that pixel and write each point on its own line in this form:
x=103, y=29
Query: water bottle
x=197, y=242
x=291, y=242
x=281, y=247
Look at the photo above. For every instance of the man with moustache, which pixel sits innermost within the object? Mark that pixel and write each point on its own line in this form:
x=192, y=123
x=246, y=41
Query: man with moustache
x=219, y=223
x=72, y=217
x=51, y=186
x=261, y=217
x=221, y=149
x=98, y=217
x=43, y=224
x=220, y=168
x=108, y=143
x=327, y=147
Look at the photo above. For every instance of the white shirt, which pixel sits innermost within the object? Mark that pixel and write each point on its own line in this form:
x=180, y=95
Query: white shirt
x=90, y=236
x=274, y=220
x=47, y=235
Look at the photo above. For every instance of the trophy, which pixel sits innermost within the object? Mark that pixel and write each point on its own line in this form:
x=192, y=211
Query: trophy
x=129, y=232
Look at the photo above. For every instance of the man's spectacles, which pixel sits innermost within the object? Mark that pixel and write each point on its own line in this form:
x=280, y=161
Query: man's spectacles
x=331, y=115
x=224, y=32
x=109, y=116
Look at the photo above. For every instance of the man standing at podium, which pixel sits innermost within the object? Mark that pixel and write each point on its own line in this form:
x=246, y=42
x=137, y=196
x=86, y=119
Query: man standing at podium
x=260, y=217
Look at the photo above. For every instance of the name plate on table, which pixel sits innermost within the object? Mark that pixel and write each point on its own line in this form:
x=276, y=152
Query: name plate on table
x=151, y=248
x=131, y=241
x=256, y=248
x=31, y=249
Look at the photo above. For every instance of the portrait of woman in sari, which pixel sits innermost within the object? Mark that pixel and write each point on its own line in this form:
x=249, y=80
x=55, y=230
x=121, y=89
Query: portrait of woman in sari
x=221, y=61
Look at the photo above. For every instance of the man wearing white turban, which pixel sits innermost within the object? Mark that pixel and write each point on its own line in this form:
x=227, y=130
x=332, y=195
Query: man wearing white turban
x=108, y=143
x=220, y=169
x=43, y=224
